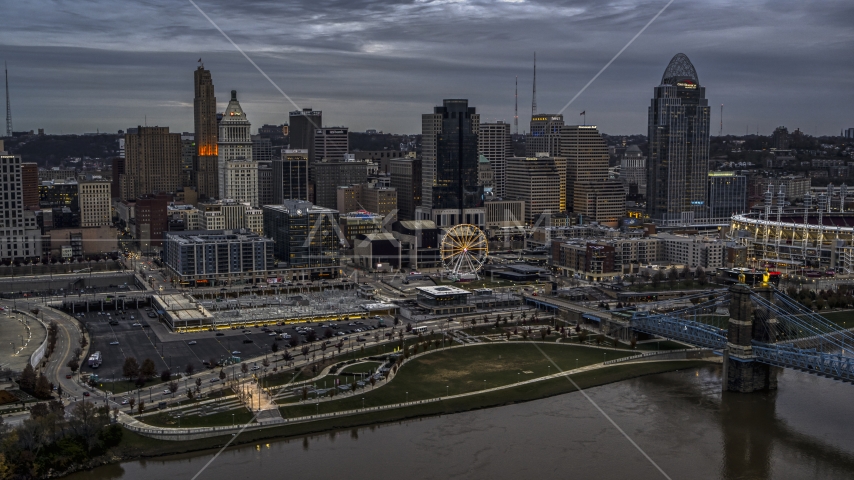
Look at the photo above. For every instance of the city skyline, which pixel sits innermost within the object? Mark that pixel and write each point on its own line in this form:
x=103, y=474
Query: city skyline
x=356, y=62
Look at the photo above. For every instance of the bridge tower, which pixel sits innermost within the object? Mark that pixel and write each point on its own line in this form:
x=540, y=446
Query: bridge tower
x=741, y=372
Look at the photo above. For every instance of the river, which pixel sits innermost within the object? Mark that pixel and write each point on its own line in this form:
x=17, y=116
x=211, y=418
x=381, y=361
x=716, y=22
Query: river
x=681, y=420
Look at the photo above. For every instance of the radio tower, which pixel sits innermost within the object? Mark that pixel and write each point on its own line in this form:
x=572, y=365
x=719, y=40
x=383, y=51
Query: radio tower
x=8, y=107
x=516, y=111
x=721, y=133
x=534, y=98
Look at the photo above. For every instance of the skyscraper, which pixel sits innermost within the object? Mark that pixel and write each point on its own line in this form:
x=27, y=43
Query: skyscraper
x=536, y=181
x=290, y=176
x=544, y=136
x=450, y=161
x=205, y=175
x=330, y=144
x=301, y=128
x=152, y=162
x=495, y=144
x=678, y=162
x=586, y=156
x=406, y=179
x=22, y=237
x=238, y=173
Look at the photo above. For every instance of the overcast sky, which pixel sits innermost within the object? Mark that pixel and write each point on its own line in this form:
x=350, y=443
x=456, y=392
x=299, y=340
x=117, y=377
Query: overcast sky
x=79, y=66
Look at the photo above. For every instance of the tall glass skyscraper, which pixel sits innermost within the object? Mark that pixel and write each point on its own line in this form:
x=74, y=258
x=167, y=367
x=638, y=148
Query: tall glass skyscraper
x=450, y=157
x=678, y=163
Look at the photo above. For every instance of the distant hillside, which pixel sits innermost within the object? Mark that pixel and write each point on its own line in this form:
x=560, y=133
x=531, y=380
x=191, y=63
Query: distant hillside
x=50, y=150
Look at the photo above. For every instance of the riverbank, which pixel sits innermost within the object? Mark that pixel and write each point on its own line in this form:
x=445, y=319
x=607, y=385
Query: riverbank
x=134, y=446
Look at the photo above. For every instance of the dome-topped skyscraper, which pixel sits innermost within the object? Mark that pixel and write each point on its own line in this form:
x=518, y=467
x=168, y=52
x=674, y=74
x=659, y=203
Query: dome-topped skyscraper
x=678, y=163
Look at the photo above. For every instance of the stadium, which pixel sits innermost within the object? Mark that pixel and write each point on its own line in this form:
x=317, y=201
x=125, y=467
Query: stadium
x=810, y=242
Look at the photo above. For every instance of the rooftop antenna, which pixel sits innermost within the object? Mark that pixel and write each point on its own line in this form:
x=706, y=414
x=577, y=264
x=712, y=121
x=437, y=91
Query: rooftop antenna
x=8, y=106
x=516, y=111
x=534, y=98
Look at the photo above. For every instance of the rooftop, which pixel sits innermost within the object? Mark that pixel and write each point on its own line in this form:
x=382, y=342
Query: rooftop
x=442, y=290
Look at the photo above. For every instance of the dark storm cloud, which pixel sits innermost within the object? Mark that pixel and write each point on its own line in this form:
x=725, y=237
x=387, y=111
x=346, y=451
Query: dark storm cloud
x=86, y=65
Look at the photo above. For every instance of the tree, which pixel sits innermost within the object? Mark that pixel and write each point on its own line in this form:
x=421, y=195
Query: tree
x=543, y=334
x=130, y=369
x=173, y=387
x=702, y=279
x=599, y=339
x=131, y=402
x=293, y=342
x=189, y=369
x=73, y=364
x=86, y=421
x=190, y=393
x=147, y=370
x=657, y=278
x=615, y=342
x=634, y=341
x=305, y=351
x=28, y=379
x=199, y=385
x=339, y=346
x=672, y=277
x=266, y=362
x=244, y=368
x=274, y=347
x=165, y=375
x=328, y=333
x=311, y=336
x=141, y=407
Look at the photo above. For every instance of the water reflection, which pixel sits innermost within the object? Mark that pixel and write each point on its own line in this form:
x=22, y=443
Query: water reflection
x=682, y=420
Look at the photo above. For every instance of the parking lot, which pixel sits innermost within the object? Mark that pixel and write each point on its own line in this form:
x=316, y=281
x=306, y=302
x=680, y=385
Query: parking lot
x=173, y=351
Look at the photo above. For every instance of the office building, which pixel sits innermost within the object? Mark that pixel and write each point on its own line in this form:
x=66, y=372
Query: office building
x=188, y=156
x=359, y=222
x=30, y=184
x=536, y=181
x=405, y=177
x=780, y=138
x=347, y=199
x=151, y=220
x=20, y=236
x=330, y=175
x=238, y=173
x=603, y=202
x=206, y=162
x=678, y=163
x=95, y=203
x=262, y=148
x=60, y=194
x=502, y=213
x=265, y=183
x=379, y=200
x=450, y=160
x=303, y=123
x=545, y=135
x=330, y=144
x=224, y=257
x=152, y=162
x=586, y=156
x=495, y=144
x=185, y=216
x=117, y=170
x=290, y=176
x=56, y=173
x=305, y=236
x=222, y=215
x=485, y=176
x=727, y=196
x=633, y=169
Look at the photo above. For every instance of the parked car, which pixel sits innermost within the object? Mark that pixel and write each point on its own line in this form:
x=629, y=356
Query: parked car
x=191, y=342
x=114, y=342
x=248, y=340
x=220, y=334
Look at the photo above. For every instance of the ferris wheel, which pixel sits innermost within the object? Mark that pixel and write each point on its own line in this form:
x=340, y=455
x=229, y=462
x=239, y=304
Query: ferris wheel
x=464, y=250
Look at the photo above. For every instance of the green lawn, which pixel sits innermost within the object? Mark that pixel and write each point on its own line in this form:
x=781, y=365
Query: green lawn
x=844, y=319
x=360, y=368
x=123, y=386
x=464, y=370
x=220, y=419
x=285, y=376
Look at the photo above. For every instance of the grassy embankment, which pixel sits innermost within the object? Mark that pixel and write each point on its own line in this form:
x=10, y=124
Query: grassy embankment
x=134, y=445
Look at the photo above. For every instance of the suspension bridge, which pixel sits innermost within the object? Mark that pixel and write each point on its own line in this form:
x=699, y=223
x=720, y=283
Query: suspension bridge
x=755, y=329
